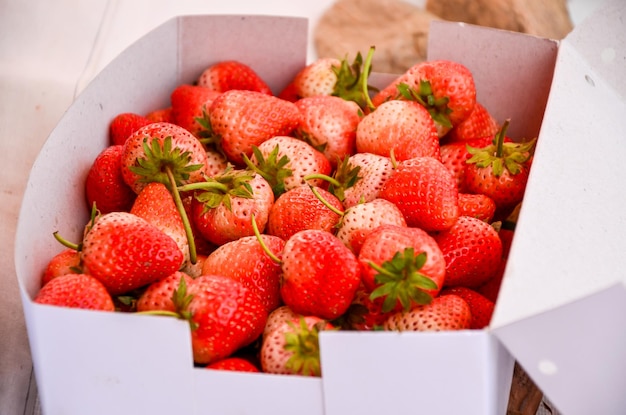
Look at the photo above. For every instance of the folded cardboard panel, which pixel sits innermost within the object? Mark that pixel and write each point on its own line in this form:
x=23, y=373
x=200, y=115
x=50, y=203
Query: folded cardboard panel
x=561, y=307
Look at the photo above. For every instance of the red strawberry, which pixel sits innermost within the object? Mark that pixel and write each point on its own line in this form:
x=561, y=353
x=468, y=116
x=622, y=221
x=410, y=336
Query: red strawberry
x=329, y=124
x=244, y=260
x=235, y=364
x=105, y=185
x=404, y=266
x=402, y=128
x=454, y=156
x=373, y=171
x=425, y=191
x=292, y=348
x=225, y=316
x=500, y=171
x=243, y=119
x=446, y=88
x=472, y=250
x=491, y=287
x=330, y=76
x=123, y=125
x=75, y=291
x=126, y=252
x=445, y=312
x=361, y=219
x=480, y=306
x=476, y=205
x=320, y=274
x=156, y=205
x=223, y=206
x=226, y=75
x=190, y=105
x=480, y=123
x=285, y=161
x=299, y=208
x=65, y=262
x=159, y=295
x=160, y=115
x=158, y=147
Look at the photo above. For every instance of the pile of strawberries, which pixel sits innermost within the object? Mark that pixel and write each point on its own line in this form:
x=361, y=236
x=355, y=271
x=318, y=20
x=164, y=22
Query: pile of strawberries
x=263, y=219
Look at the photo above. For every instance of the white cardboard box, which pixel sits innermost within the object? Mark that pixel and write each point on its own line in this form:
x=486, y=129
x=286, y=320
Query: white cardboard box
x=102, y=362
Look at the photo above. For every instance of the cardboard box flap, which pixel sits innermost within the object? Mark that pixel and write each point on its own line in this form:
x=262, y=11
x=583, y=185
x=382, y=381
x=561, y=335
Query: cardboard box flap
x=569, y=239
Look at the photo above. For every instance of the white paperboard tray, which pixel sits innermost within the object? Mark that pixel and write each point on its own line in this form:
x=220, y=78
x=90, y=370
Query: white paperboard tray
x=105, y=362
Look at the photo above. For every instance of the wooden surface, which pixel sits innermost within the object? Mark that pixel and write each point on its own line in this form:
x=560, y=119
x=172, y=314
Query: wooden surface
x=49, y=51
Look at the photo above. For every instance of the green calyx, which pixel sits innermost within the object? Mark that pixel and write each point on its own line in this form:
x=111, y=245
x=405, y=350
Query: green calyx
x=303, y=343
x=502, y=155
x=400, y=280
x=437, y=107
x=352, y=80
x=219, y=190
x=272, y=168
x=181, y=299
x=161, y=158
x=346, y=175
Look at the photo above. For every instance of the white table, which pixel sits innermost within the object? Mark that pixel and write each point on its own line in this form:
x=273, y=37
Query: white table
x=49, y=51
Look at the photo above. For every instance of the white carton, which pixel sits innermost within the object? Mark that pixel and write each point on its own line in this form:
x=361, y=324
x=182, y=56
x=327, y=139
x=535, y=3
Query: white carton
x=99, y=363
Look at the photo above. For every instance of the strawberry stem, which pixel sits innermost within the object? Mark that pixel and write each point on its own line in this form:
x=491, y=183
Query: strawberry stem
x=325, y=202
x=499, y=138
x=183, y=215
x=367, y=68
x=66, y=243
x=264, y=247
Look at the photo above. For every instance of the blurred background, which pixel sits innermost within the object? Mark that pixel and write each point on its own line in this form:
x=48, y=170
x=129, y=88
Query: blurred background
x=51, y=50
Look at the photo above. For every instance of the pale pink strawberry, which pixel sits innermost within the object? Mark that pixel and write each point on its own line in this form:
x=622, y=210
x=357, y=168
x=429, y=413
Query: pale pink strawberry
x=402, y=128
x=231, y=74
x=361, y=219
x=444, y=313
x=278, y=316
x=373, y=171
x=285, y=161
x=292, y=348
x=329, y=124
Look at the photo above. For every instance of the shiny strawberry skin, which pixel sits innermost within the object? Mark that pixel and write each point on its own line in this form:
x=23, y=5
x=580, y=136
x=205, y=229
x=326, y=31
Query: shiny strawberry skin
x=190, y=103
x=480, y=123
x=65, y=262
x=445, y=312
x=158, y=295
x=230, y=74
x=481, y=307
x=105, y=185
x=75, y=291
x=124, y=124
x=126, y=252
x=234, y=364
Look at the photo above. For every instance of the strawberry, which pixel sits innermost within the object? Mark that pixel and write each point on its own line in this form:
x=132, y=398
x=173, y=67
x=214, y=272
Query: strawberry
x=125, y=252
x=230, y=74
x=403, y=265
x=241, y=120
x=105, y=186
x=244, y=260
x=299, y=208
x=329, y=124
x=279, y=316
x=425, y=192
x=476, y=205
x=446, y=88
x=500, y=170
x=235, y=364
x=223, y=206
x=155, y=204
x=491, y=287
x=454, y=156
x=472, y=250
x=359, y=220
x=123, y=125
x=65, y=262
x=400, y=128
x=320, y=274
x=152, y=151
x=159, y=295
x=480, y=306
x=75, y=291
x=370, y=171
x=292, y=348
x=445, y=312
x=160, y=115
x=225, y=316
x=285, y=161
x=331, y=76
x=480, y=123
x=190, y=104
